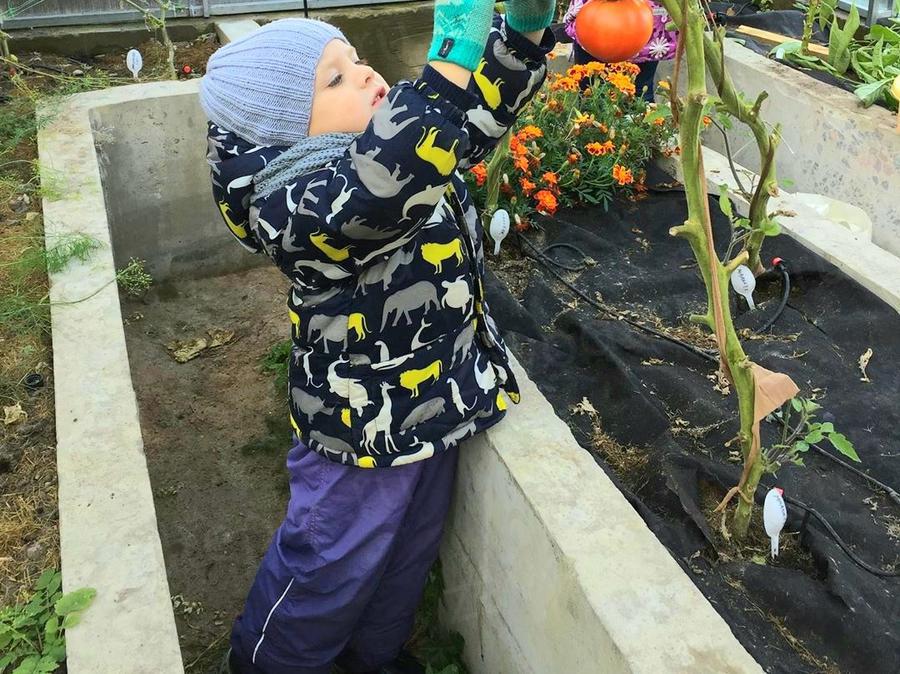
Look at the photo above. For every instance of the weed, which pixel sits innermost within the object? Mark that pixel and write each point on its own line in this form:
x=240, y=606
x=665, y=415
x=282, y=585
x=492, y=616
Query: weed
x=133, y=278
x=276, y=362
x=441, y=651
x=32, y=634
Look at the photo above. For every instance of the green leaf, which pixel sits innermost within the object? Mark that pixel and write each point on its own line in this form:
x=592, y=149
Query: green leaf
x=884, y=34
x=795, y=403
x=758, y=559
x=743, y=223
x=770, y=227
x=844, y=446
x=725, y=202
x=869, y=93
x=827, y=427
x=71, y=620
x=810, y=406
x=839, y=41
x=75, y=601
x=28, y=665
x=786, y=48
x=46, y=665
x=800, y=446
x=814, y=437
x=45, y=579
x=51, y=629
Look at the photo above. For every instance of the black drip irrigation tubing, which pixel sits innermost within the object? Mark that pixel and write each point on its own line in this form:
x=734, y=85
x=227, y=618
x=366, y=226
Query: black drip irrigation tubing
x=542, y=257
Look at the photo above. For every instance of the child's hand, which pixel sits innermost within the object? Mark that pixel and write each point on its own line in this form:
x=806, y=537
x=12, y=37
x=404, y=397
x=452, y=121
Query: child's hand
x=461, y=31
x=526, y=16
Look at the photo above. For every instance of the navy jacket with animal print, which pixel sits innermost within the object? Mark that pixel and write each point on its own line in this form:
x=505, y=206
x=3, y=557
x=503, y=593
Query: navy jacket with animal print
x=395, y=354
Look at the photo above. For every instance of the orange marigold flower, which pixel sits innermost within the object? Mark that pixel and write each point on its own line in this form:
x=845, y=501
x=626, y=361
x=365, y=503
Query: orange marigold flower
x=576, y=72
x=706, y=120
x=595, y=68
x=587, y=92
x=622, y=175
x=517, y=147
x=564, y=84
x=554, y=105
x=659, y=121
x=622, y=82
x=664, y=85
x=521, y=163
x=480, y=173
x=546, y=202
x=573, y=157
x=550, y=178
x=600, y=149
x=530, y=132
x=527, y=186
x=603, y=128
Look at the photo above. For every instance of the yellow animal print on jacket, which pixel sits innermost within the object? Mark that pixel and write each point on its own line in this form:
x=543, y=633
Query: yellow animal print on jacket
x=436, y=253
x=357, y=322
x=444, y=161
x=239, y=230
x=412, y=379
x=320, y=241
x=489, y=90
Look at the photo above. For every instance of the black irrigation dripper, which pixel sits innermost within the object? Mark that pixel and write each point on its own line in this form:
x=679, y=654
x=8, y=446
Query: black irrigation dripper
x=33, y=381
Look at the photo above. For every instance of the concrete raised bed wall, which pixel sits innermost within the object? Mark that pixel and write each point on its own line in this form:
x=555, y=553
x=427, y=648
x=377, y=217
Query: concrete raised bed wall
x=548, y=568
x=152, y=149
x=831, y=145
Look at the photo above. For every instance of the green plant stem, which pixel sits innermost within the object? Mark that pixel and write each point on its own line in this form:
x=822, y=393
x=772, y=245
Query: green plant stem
x=495, y=176
x=697, y=230
x=159, y=23
x=811, y=11
x=766, y=142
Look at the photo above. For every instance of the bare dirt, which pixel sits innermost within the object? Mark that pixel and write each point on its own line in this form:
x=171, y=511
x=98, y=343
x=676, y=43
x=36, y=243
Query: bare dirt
x=216, y=436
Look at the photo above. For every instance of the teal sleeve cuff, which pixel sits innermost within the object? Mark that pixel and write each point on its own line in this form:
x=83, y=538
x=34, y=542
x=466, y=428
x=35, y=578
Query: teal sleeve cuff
x=458, y=50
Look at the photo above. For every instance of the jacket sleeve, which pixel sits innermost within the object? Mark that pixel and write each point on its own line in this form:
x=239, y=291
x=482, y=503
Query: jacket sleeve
x=390, y=180
x=510, y=73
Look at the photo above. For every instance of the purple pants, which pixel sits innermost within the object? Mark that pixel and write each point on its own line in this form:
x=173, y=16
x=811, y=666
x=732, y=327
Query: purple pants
x=345, y=571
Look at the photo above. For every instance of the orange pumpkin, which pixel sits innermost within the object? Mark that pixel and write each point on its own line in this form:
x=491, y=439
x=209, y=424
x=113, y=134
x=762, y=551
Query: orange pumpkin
x=614, y=30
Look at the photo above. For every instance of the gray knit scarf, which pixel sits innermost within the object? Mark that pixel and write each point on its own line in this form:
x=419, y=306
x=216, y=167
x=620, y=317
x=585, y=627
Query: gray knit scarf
x=307, y=155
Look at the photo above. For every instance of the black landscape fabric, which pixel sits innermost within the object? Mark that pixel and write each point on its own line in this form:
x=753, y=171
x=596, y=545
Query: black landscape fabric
x=813, y=607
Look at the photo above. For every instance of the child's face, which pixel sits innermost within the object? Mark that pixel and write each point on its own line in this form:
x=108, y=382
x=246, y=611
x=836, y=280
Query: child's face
x=347, y=91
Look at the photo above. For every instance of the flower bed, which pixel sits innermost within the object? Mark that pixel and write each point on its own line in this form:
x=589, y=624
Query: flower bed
x=584, y=140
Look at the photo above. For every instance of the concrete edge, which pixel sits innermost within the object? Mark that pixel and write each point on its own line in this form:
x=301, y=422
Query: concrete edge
x=108, y=533
x=868, y=264
x=230, y=30
x=551, y=569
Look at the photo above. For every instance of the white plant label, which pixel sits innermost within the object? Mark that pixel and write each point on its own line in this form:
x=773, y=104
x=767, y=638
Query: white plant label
x=134, y=61
x=774, y=516
x=499, y=228
x=744, y=283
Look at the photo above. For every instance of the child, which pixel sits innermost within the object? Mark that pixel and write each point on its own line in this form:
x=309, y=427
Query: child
x=660, y=47
x=354, y=190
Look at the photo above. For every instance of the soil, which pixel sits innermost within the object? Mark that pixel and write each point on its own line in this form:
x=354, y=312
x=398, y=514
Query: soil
x=216, y=434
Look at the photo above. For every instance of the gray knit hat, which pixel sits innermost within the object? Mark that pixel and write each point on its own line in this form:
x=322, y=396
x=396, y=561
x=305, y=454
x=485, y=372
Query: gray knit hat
x=261, y=86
